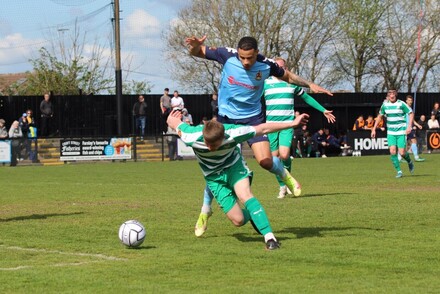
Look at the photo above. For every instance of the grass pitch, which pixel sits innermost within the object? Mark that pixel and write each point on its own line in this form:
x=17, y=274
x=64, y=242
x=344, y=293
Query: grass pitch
x=356, y=229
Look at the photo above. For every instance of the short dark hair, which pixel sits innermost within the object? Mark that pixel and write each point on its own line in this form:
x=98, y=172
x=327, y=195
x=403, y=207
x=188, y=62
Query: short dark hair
x=166, y=89
x=248, y=43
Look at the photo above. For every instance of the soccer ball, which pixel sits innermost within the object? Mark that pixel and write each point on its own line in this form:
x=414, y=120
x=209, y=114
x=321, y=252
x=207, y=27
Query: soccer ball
x=132, y=233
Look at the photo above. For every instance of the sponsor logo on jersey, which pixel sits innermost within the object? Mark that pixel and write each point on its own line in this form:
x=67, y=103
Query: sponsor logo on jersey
x=258, y=76
x=232, y=81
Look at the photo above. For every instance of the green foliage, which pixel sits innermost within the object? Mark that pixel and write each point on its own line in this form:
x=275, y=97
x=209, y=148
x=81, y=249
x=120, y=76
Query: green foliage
x=357, y=229
x=134, y=87
x=51, y=74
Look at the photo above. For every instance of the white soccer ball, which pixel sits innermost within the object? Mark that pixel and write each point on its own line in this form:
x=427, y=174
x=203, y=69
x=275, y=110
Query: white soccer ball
x=132, y=233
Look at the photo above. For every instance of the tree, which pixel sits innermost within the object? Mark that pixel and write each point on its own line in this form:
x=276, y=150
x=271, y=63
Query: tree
x=368, y=45
x=70, y=68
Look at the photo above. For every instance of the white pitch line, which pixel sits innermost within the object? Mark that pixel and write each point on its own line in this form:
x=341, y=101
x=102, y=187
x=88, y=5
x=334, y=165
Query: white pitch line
x=100, y=256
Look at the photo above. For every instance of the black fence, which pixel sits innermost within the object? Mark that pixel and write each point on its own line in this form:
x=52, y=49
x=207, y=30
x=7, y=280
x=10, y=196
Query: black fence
x=94, y=116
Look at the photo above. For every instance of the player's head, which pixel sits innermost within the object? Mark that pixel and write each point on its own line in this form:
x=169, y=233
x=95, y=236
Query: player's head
x=409, y=100
x=213, y=134
x=247, y=51
x=392, y=95
x=281, y=62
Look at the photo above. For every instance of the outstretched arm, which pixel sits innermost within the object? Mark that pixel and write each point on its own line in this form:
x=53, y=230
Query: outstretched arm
x=196, y=47
x=315, y=104
x=292, y=78
x=266, y=128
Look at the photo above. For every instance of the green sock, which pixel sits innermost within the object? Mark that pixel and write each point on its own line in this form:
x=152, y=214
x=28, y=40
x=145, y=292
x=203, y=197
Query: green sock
x=246, y=216
x=407, y=158
x=395, y=162
x=258, y=215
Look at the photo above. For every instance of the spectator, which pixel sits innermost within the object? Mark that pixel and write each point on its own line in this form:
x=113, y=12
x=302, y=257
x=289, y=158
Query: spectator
x=140, y=114
x=332, y=146
x=165, y=101
x=319, y=143
x=46, y=115
x=15, y=134
x=369, y=123
x=172, y=144
x=214, y=104
x=3, y=131
x=359, y=123
x=25, y=143
x=186, y=117
x=165, y=108
x=436, y=111
x=433, y=122
x=421, y=132
x=32, y=135
x=177, y=101
x=298, y=139
x=307, y=143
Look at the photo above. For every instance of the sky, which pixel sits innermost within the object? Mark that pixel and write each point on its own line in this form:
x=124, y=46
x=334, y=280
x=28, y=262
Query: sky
x=28, y=25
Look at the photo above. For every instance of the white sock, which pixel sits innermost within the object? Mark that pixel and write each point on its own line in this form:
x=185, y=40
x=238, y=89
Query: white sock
x=206, y=209
x=269, y=236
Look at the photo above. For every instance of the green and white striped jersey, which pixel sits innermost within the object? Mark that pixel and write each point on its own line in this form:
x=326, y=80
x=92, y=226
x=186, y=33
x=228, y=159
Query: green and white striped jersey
x=396, y=116
x=280, y=100
x=226, y=155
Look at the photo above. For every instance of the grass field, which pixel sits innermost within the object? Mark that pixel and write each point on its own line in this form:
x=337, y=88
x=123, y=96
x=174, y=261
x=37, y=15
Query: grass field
x=356, y=229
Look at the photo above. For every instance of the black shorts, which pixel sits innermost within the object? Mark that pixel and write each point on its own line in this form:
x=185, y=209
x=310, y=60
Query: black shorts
x=249, y=121
x=411, y=135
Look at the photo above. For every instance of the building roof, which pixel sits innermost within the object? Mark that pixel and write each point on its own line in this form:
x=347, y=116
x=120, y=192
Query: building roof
x=7, y=80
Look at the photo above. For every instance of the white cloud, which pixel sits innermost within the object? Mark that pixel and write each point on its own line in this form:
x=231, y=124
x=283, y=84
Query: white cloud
x=14, y=49
x=142, y=24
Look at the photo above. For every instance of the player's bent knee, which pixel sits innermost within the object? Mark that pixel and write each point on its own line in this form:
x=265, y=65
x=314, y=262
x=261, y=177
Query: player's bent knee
x=266, y=163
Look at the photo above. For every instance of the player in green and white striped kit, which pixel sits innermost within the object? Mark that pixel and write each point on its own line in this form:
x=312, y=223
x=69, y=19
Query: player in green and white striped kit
x=280, y=98
x=396, y=112
x=225, y=171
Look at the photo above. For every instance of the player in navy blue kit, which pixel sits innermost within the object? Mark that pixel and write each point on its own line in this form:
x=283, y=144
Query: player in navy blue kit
x=240, y=90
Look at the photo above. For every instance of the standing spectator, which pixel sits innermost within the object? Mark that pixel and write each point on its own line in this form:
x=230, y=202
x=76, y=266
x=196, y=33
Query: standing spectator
x=32, y=135
x=15, y=135
x=25, y=144
x=140, y=114
x=172, y=143
x=165, y=108
x=359, y=123
x=46, y=115
x=3, y=131
x=421, y=132
x=165, y=101
x=214, y=104
x=186, y=117
x=436, y=110
x=177, y=101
